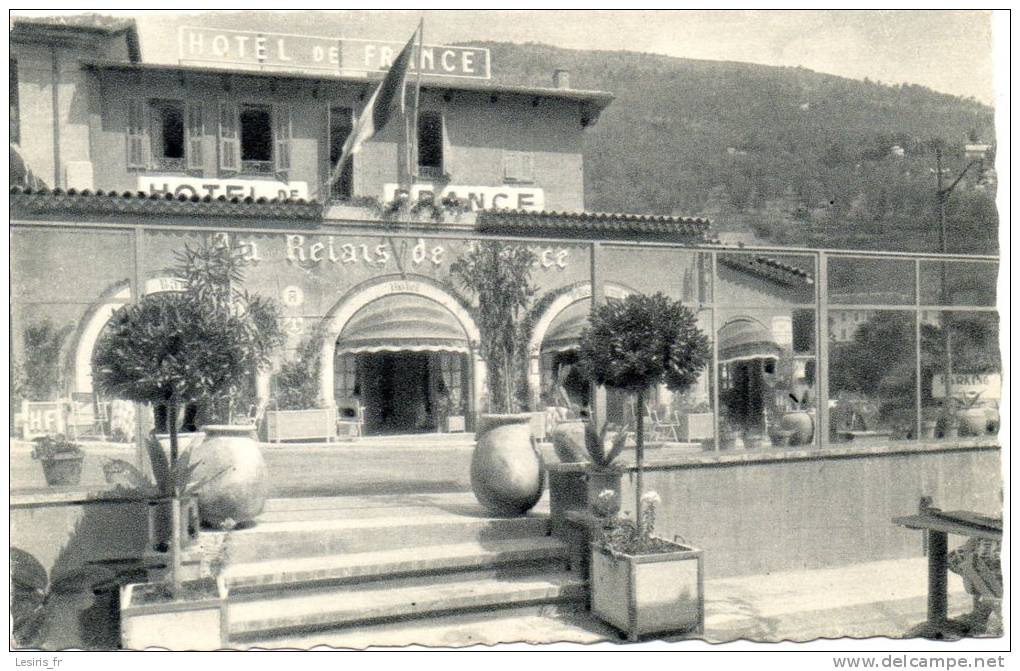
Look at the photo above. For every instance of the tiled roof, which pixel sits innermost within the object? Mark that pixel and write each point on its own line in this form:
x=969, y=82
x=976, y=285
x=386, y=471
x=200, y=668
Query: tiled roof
x=768, y=268
x=98, y=202
x=91, y=21
x=688, y=229
x=63, y=27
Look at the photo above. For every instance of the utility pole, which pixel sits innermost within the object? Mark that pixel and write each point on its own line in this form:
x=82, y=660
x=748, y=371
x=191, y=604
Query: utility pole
x=976, y=152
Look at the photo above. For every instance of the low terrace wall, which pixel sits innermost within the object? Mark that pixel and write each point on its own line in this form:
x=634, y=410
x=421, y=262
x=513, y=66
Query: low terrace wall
x=778, y=510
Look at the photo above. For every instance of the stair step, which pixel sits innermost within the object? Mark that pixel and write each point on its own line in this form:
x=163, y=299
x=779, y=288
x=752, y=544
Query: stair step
x=337, y=536
x=310, y=609
x=274, y=574
x=563, y=622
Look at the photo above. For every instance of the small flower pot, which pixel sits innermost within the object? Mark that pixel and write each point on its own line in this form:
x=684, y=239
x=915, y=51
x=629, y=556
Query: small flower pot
x=194, y=619
x=63, y=470
x=649, y=593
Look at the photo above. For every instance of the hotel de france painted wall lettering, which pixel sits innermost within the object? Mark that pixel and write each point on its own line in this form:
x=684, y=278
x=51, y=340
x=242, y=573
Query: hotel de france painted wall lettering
x=283, y=51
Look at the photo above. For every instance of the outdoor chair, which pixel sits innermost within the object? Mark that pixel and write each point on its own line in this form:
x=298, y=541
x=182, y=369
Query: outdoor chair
x=662, y=425
x=83, y=420
x=350, y=420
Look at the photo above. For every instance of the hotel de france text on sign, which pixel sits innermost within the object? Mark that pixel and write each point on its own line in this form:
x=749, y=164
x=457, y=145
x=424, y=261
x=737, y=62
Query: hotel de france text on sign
x=215, y=46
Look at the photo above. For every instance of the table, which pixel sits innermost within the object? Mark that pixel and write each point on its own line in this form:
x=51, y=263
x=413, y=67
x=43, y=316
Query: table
x=937, y=526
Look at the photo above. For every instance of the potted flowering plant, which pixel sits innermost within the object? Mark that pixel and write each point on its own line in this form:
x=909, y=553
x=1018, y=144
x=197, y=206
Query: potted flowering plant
x=61, y=459
x=640, y=583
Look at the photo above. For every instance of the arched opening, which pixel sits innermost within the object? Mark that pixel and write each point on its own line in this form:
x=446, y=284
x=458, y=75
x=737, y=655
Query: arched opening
x=554, y=378
x=88, y=409
x=401, y=354
x=748, y=357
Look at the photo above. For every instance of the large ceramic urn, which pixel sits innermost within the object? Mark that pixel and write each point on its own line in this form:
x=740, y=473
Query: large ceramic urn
x=506, y=471
x=231, y=456
x=801, y=424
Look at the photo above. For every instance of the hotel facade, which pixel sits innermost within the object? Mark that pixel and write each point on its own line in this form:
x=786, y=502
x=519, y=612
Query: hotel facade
x=845, y=388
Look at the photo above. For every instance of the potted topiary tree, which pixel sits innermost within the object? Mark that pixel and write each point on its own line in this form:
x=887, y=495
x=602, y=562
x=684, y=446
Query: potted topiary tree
x=174, y=349
x=506, y=471
x=640, y=583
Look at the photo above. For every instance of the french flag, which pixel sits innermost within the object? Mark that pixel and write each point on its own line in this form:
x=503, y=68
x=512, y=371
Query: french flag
x=386, y=102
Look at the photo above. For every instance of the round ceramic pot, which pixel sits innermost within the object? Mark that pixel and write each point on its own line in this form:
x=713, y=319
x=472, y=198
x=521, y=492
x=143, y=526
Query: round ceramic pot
x=231, y=456
x=185, y=441
x=973, y=421
x=992, y=420
x=568, y=441
x=506, y=472
x=928, y=428
x=63, y=470
x=802, y=426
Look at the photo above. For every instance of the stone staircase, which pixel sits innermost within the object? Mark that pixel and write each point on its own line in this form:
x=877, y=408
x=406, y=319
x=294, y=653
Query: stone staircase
x=323, y=565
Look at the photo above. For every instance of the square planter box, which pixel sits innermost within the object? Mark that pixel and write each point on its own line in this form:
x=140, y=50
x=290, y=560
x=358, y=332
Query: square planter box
x=195, y=620
x=696, y=426
x=317, y=424
x=649, y=594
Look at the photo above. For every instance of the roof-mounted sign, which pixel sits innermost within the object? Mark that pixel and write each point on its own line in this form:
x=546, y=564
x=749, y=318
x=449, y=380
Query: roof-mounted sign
x=344, y=56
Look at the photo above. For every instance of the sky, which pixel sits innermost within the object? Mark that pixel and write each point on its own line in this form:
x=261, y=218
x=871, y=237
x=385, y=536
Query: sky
x=949, y=51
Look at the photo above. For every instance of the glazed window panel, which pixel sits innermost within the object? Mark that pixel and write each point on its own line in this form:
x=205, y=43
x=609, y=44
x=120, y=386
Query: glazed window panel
x=871, y=281
x=966, y=346
x=963, y=283
x=873, y=376
x=680, y=274
x=768, y=391
x=755, y=278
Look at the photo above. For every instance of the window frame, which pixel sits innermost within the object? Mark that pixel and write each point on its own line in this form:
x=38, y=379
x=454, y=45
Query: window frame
x=518, y=166
x=143, y=129
x=336, y=189
x=431, y=171
x=157, y=121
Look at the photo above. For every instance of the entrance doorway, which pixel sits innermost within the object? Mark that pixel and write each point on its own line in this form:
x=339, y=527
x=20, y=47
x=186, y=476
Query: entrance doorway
x=395, y=393
x=403, y=392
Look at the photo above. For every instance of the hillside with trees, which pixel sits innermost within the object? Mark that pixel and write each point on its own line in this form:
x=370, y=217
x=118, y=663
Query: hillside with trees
x=783, y=155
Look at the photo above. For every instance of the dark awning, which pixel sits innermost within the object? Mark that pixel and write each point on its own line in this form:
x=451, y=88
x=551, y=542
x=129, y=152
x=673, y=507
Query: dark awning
x=403, y=322
x=743, y=339
x=565, y=331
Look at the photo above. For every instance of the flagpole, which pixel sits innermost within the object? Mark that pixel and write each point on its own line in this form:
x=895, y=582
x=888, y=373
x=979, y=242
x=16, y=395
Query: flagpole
x=417, y=94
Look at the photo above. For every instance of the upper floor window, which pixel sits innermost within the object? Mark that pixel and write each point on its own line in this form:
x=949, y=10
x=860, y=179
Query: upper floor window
x=254, y=139
x=430, y=144
x=171, y=135
x=15, y=117
x=166, y=135
x=341, y=124
x=518, y=166
x=256, y=123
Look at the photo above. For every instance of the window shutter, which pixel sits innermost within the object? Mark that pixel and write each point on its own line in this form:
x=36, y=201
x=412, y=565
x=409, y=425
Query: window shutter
x=511, y=165
x=282, y=133
x=136, y=135
x=230, y=147
x=195, y=136
x=527, y=173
